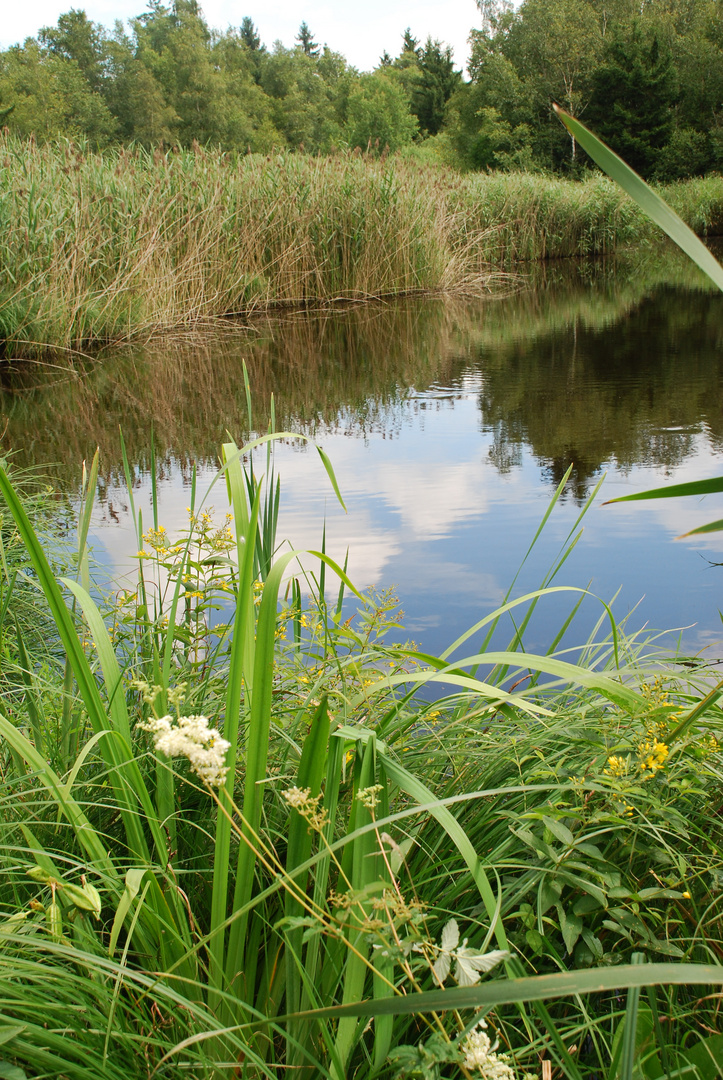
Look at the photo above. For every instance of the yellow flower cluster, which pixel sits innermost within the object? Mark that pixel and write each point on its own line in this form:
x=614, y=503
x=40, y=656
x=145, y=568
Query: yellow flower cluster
x=653, y=755
x=617, y=766
x=157, y=539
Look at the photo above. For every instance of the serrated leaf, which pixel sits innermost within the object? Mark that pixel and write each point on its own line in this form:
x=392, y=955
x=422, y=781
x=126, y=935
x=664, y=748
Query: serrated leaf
x=471, y=964
x=450, y=936
x=449, y=942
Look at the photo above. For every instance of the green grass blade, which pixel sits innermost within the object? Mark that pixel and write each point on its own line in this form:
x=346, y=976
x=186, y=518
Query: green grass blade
x=311, y=773
x=691, y=487
x=332, y=477
x=490, y=995
x=363, y=872
x=257, y=746
x=423, y=795
x=90, y=482
x=645, y=197
x=241, y=656
x=107, y=657
x=631, y=1027
x=574, y=674
x=123, y=758
x=341, y=574
x=712, y=526
x=32, y=706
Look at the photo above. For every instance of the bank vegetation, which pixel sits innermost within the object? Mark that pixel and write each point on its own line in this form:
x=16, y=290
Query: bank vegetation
x=107, y=247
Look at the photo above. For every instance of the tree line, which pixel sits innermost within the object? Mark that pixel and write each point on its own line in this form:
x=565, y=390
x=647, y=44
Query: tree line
x=645, y=74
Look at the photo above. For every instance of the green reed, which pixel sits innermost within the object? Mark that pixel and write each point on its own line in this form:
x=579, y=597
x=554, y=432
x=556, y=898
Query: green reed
x=104, y=248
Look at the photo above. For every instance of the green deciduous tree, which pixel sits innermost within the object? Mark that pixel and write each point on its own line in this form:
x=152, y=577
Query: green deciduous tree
x=76, y=38
x=47, y=95
x=378, y=114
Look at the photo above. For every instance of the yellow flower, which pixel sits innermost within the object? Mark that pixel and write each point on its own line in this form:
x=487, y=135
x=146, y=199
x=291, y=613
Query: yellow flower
x=617, y=766
x=653, y=755
x=686, y=895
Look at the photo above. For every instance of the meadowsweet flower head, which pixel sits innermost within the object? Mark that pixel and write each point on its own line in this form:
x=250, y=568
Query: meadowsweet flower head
x=191, y=737
x=480, y=1054
x=369, y=796
x=307, y=805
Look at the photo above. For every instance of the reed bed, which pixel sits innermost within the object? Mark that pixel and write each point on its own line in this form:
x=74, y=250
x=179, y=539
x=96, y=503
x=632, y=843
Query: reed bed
x=99, y=248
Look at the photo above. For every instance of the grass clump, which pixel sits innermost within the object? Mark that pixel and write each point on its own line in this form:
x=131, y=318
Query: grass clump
x=241, y=843
x=100, y=248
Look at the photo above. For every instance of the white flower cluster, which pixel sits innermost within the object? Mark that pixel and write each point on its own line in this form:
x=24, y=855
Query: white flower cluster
x=481, y=1053
x=192, y=738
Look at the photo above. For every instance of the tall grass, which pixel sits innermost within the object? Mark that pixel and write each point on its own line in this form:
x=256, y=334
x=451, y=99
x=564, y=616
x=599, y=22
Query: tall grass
x=549, y=815
x=103, y=248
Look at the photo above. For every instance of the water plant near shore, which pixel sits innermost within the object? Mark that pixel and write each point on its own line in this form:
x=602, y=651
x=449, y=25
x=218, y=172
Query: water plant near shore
x=99, y=248
x=365, y=849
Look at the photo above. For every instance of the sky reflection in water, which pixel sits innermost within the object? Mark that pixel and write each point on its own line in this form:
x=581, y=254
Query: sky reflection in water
x=449, y=426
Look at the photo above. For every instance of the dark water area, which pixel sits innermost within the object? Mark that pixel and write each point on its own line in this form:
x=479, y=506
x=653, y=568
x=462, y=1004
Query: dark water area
x=450, y=425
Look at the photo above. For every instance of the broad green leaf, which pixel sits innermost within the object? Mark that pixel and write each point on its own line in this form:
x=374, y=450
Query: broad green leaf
x=11, y=1072
x=707, y=1057
x=9, y=1031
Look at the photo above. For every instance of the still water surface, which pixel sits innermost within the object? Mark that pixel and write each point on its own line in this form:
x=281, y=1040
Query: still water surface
x=449, y=426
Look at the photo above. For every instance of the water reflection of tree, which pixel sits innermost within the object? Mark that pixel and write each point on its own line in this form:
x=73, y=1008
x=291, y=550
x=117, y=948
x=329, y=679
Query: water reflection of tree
x=585, y=368
x=638, y=393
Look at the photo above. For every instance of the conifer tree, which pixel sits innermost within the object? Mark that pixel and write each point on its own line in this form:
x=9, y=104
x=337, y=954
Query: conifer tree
x=249, y=34
x=634, y=90
x=306, y=41
x=410, y=44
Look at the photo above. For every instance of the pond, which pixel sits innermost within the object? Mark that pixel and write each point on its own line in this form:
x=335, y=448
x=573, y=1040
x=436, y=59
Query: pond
x=449, y=425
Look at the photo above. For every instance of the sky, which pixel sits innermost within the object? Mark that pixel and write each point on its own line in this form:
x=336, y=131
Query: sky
x=360, y=32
